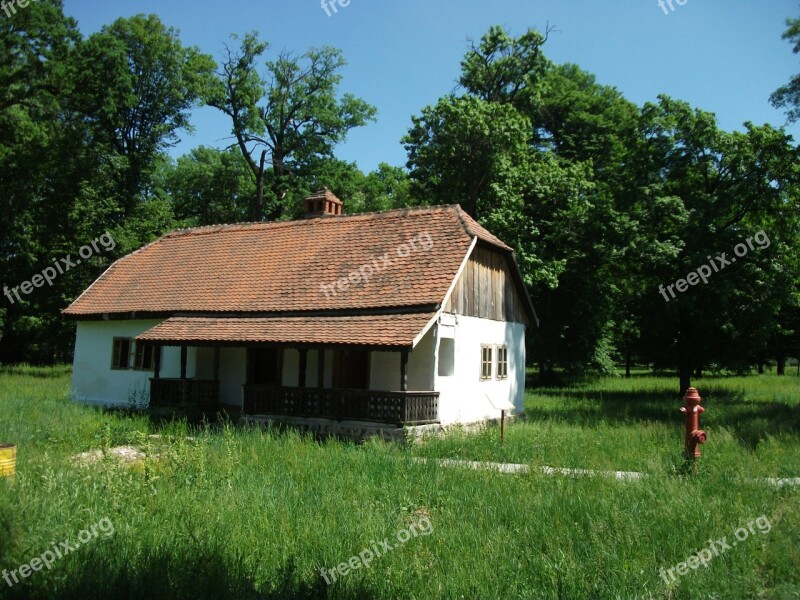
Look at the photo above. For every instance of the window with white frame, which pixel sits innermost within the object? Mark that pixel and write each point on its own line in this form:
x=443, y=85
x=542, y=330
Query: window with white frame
x=486, y=362
x=502, y=362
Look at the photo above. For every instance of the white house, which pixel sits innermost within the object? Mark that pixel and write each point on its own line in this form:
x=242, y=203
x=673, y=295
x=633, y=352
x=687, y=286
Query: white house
x=347, y=324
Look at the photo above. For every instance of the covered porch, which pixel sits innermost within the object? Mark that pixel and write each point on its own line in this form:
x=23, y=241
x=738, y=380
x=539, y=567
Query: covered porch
x=183, y=390
x=303, y=379
x=393, y=408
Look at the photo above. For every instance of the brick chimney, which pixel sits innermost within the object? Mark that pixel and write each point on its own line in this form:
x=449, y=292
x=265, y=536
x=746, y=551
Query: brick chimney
x=322, y=204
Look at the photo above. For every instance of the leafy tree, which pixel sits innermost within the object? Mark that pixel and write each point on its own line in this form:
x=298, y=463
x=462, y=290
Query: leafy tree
x=135, y=84
x=209, y=186
x=463, y=149
x=603, y=202
x=84, y=125
x=385, y=188
x=723, y=188
x=505, y=69
x=287, y=120
x=34, y=44
x=788, y=96
x=512, y=152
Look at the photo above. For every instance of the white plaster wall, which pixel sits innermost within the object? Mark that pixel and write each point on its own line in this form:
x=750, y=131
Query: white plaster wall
x=385, y=368
x=171, y=362
x=462, y=396
x=93, y=379
x=422, y=364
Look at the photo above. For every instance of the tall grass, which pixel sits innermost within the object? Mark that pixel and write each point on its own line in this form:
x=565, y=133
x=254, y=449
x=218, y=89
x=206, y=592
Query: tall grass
x=635, y=425
x=224, y=511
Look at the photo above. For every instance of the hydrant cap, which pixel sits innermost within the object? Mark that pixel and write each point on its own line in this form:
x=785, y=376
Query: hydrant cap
x=692, y=394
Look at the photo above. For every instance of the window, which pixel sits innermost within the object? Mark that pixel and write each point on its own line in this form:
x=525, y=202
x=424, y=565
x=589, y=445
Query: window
x=502, y=362
x=127, y=350
x=447, y=354
x=145, y=357
x=121, y=356
x=486, y=362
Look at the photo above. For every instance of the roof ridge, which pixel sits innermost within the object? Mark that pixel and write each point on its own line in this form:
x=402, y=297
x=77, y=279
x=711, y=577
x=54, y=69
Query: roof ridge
x=481, y=233
x=243, y=225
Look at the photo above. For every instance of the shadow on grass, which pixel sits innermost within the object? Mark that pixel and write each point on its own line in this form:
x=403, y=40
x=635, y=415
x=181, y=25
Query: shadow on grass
x=750, y=421
x=168, y=577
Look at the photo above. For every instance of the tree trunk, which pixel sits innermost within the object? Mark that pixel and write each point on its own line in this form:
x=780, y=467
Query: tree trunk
x=780, y=368
x=258, y=207
x=278, y=186
x=685, y=376
x=627, y=365
x=760, y=368
x=684, y=361
x=256, y=212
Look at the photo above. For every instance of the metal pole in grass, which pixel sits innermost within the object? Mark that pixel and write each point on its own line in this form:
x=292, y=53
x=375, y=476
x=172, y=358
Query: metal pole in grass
x=502, y=405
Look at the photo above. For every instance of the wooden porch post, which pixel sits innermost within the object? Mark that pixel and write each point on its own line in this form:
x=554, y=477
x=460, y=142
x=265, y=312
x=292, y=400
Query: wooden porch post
x=321, y=368
x=157, y=361
x=184, y=353
x=216, y=363
x=248, y=367
x=303, y=364
x=404, y=371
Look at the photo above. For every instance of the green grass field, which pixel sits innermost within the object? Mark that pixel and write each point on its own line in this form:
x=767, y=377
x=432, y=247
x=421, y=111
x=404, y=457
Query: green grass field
x=225, y=511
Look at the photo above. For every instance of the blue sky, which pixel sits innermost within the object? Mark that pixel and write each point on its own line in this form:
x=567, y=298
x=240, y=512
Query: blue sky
x=722, y=56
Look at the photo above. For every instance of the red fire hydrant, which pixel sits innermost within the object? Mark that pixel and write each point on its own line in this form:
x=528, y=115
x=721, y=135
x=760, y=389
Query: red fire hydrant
x=694, y=435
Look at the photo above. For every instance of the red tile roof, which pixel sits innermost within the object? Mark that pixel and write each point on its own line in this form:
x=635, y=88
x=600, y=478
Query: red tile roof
x=398, y=330
x=279, y=267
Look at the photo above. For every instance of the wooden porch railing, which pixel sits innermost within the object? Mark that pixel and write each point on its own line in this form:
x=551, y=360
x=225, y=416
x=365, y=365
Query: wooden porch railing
x=398, y=408
x=201, y=393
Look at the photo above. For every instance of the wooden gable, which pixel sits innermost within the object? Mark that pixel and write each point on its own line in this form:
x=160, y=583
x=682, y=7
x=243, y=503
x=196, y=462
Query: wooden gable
x=489, y=287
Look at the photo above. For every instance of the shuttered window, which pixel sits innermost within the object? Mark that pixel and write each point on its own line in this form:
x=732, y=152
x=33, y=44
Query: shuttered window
x=121, y=355
x=486, y=362
x=502, y=362
x=144, y=360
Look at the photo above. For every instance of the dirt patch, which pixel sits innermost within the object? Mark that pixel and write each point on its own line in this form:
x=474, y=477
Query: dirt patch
x=124, y=454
